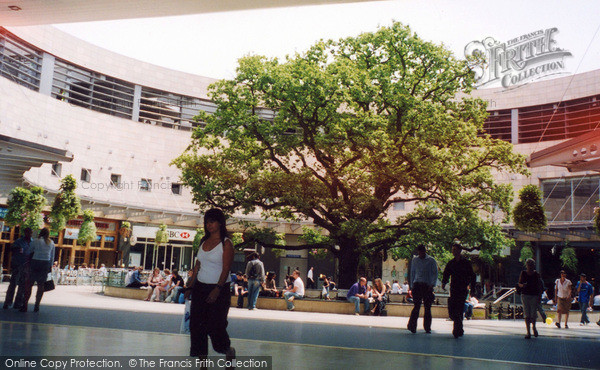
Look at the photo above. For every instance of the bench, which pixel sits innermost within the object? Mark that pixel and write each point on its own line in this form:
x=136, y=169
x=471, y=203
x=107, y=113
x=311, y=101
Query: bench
x=305, y=304
x=343, y=307
x=121, y=292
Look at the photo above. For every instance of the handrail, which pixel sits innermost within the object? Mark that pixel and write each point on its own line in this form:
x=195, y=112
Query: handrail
x=503, y=296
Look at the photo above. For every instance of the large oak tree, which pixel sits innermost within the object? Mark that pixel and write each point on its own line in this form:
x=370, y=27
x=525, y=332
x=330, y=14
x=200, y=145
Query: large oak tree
x=340, y=133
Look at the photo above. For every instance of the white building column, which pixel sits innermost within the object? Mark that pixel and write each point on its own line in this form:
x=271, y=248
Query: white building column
x=137, y=97
x=47, y=74
x=514, y=126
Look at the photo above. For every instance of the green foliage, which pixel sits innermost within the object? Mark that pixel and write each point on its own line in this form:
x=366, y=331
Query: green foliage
x=568, y=259
x=162, y=235
x=66, y=205
x=526, y=253
x=263, y=236
x=87, y=231
x=316, y=236
x=529, y=212
x=25, y=207
x=237, y=238
x=196, y=243
x=457, y=220
x=359, y=124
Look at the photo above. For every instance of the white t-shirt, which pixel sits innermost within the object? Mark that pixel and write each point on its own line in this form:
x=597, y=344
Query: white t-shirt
x=563, y=289
x=395, y=288
x=211, y=265
x=129, y=277
x=299, y=285
x=404, y=288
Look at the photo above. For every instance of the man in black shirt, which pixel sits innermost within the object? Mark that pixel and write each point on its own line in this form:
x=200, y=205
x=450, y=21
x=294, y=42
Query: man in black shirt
x=176, y=287
x=461, y=272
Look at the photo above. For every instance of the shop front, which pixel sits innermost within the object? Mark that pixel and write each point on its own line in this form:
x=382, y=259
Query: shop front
x=101, y=251
x=175, y=254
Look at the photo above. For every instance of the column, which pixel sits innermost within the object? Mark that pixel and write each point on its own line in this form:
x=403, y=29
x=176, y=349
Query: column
x=514, y=126
x=137, y=97
x=47, y=74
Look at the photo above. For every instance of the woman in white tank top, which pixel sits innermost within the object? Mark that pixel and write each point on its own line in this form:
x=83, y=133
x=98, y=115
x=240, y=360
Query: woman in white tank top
x=210, y=289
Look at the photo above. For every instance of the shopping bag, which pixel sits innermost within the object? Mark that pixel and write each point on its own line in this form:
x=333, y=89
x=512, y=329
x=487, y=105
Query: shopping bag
x=185, y=320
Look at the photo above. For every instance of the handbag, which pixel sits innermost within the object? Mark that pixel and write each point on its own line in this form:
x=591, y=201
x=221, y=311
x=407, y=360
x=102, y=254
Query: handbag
x=49, y=285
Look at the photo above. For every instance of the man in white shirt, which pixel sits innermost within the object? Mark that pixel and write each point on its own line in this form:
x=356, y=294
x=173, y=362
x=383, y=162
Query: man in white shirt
x=396, y=288
x=405, y=288
x=563, y=295
x=310, y=279
x=297, y=291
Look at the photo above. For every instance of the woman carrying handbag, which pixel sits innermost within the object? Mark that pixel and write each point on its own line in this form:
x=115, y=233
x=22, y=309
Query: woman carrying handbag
x=41, y=264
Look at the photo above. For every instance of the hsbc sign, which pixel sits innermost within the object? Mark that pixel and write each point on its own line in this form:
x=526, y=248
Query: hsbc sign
x=180, y=235
x=174, y=234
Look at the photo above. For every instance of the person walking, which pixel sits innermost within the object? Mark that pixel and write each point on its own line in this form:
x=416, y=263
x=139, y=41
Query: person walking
x=531, y=291
x=310, y=279
x=210, y=289
x=585, y=295
x=18, y=263
x=40, y=266
x=423, y=277
x=562, y=294
x=460, y=271
x=255, y=270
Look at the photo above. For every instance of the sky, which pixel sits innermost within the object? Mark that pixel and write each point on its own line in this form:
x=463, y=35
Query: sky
x=210, y=44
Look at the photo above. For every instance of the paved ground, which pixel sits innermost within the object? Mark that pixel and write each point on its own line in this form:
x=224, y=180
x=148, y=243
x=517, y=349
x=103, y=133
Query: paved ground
x=81, y=321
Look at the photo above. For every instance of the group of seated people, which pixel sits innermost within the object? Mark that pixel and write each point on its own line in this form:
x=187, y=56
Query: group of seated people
x=399, y=289
x=268, y=287
x=374, y=297
x=164, y=286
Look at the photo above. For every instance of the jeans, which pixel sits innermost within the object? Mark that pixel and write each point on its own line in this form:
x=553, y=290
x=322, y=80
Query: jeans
x=468, y=310
x=287, y=296
x=253, y=290
x=421, y=292
x=174, y=296
x=584, y=318
x=357, y=301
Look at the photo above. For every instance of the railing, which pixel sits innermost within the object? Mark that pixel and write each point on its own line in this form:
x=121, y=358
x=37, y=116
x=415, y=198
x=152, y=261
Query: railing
x=116, y=277
x=78, y=277
x=496, y=308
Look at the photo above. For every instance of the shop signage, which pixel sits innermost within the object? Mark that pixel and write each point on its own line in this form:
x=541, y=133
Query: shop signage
x=104, y=226
x=174, y=234
x=71, y=233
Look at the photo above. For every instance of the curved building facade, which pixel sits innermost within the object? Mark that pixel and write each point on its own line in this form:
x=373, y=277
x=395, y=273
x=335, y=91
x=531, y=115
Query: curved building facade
x=122, y=122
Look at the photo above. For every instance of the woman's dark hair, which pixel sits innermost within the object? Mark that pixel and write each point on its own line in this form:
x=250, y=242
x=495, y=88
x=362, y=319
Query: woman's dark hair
x=215, y=214
x=252, y=256
x=45, y=233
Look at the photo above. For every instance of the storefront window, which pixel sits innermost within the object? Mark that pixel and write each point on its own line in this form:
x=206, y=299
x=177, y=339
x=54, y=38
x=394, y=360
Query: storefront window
x=570, y=199
x=79, y=258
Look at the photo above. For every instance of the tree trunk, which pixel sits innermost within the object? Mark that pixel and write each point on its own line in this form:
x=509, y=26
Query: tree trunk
x=348, y=258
